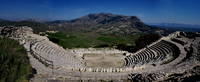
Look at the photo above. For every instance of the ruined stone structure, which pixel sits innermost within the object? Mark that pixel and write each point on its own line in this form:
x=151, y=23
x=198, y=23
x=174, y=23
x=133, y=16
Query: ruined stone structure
x=177, y=53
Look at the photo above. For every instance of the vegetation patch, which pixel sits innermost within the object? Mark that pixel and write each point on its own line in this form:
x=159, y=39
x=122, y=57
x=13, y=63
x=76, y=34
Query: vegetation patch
x=14, y=63
x=94, y=40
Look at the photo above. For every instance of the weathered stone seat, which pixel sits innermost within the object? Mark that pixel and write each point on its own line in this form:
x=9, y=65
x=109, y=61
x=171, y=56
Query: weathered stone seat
x=151, y=54
x=57, y=55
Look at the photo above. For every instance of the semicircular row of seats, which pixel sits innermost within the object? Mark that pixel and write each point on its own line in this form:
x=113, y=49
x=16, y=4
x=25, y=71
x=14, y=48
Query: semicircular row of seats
x=57, y=55
x=151, y=54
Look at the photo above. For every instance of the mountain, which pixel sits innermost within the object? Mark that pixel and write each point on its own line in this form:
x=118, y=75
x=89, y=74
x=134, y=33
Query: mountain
x=3, y=20
x=101, y=23
x=33, y=20
x=178, y=27
x=105, y=23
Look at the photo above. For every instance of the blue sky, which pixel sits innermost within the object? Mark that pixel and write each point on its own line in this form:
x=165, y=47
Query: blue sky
x=149, y=11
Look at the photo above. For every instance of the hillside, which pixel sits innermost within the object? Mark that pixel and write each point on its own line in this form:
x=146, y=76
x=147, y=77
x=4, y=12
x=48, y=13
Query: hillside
x=100, y=30
x=93, y=30
x=14, y=63
x=37, y=26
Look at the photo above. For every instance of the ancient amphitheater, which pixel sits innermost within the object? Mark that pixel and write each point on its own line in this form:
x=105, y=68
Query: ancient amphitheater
x=175, y=54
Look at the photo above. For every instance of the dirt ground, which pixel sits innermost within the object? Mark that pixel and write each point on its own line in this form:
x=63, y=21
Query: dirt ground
x=103, y=60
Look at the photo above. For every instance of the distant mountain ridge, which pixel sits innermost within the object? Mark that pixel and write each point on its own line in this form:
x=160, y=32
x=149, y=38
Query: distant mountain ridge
x=106, y=23
x=102, y=23
x=178, y=26
x=97, y=18
x=2, y=20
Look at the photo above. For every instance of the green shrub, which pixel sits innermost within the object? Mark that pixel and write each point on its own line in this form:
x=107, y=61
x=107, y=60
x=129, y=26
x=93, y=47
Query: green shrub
x=14, y=63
